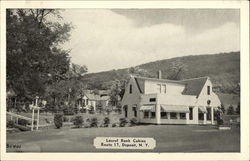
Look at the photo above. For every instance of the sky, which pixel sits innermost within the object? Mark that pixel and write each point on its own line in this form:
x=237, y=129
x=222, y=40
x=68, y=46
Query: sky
x=104, y=39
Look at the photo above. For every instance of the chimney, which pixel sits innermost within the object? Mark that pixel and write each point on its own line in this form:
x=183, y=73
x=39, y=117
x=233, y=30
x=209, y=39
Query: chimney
x=159, y=74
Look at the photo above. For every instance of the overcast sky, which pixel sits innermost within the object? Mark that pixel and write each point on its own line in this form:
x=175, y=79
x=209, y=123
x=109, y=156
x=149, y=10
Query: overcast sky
x=113, y=39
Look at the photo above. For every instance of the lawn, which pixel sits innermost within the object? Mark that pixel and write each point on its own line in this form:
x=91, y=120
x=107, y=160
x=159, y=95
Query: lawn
x=169, y=138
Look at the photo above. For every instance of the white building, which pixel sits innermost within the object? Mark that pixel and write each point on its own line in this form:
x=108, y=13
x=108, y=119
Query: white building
x=89, y=100
x=161, y=101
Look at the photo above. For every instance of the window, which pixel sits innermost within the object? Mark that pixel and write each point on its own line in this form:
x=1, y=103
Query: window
x=164, y=115
x=158, y=88
x=208, y=90
x=135, y=110
x=130, y=88
x=183, y=116
x=173, y=115
x=126, y=113
x=201, y=116
x=125, y=108
x=152, y=115
x=164, y=88
x=152, y=99
x=146, y=114
x=190, y=113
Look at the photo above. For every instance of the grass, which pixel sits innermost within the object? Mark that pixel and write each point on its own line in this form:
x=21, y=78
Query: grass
x=169, y=138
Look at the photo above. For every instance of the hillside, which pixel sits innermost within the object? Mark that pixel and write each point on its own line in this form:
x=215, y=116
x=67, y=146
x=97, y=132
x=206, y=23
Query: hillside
x=223, y=69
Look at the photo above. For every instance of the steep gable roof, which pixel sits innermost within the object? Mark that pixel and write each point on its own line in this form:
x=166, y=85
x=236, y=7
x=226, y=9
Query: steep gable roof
x=192, y=86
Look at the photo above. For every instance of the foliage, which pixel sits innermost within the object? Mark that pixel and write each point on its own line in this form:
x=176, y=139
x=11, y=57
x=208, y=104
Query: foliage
x=176, y=70
x=238, y=108
x=230, y=110
x=133, y=121
x=34, y=58
x=78, y=121
x=91, y=110
x=23, y=122
x=68, y=111
x=58, y=120
x=93, y=122
x=223, y=108
x=106, y=121
x=123, y=122
x=218, y=115
x=225, y=78
x=10, y=124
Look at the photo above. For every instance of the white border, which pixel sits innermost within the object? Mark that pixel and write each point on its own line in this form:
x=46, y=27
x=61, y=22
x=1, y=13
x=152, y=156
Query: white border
x=244, y=12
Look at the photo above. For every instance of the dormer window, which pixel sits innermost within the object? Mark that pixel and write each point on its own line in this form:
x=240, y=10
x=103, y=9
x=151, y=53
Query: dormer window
x=130, y=88
x=161, y=88
x=208, y=90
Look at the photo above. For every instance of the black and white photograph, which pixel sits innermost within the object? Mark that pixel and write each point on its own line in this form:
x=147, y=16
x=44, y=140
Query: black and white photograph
x=123, y=80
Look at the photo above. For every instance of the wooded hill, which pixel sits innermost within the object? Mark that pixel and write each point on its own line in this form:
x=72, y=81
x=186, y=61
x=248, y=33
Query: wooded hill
x=223, y=69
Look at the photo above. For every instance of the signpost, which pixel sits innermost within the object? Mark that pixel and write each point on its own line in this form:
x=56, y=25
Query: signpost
x=35, y=107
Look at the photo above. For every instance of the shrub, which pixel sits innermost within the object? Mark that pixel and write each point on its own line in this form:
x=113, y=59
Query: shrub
x=106, y=121
x=83, y=110
x=91, y=110
x=238, y=108
x=93, y=122
x=68, y=111
x=87, y=123
x=66, y=119
x=114, y=125
x=230, y=110
x=134, y=121
x=10, y=124
x=78, y=121
x=23, y=122
x=123, y=122
x=58, y=120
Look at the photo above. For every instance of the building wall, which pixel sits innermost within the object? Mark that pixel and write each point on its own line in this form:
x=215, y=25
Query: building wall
x=204, y=97
x=171, y=88
x=131, y=99
x=202, y=100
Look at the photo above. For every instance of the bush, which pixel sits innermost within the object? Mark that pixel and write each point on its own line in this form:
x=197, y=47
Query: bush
x=91, y=110
x=66, y=119
x=58, y=120
x=78, y=121
x=83, y=110
x=68, y=111
x=10, y=124
x=238, y=109
x=123, y=122
x=134, y=121
x=230, y=110
x=23, y=122
x=106, y=122
x=114, y=125
x=93, y=122
x=87, y=123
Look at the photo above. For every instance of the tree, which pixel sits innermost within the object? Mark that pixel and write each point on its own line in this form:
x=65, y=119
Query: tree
x=176, y=70
x=116, y=89
x=34, y=56
x=139, y=72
